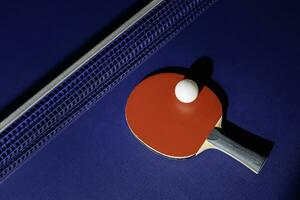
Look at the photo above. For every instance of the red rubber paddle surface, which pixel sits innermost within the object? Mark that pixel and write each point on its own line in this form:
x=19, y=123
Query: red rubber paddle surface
x=166, y=125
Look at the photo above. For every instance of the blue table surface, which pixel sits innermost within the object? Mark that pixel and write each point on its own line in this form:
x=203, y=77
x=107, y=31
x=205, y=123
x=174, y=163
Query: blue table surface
x=255, y=49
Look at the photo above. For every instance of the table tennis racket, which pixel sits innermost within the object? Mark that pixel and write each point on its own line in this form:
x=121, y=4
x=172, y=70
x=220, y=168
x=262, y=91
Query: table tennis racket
x=181, y=130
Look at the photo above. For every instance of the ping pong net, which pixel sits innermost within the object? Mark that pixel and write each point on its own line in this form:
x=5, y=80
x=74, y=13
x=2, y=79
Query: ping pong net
x=77, y=89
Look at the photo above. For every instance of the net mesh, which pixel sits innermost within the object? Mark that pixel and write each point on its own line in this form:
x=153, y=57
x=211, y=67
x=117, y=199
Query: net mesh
x=94, y=79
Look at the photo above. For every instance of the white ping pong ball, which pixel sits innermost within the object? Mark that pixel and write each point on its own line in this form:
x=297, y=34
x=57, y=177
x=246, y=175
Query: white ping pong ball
x=186, y=91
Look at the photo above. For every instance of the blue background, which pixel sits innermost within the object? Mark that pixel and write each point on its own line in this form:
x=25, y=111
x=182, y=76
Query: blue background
x=255, y=49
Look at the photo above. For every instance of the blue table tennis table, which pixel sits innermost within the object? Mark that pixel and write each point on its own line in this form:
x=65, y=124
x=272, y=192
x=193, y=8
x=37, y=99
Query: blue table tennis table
x=254, y=48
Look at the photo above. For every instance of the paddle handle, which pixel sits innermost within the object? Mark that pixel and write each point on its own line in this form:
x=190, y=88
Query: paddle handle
x=247, y=157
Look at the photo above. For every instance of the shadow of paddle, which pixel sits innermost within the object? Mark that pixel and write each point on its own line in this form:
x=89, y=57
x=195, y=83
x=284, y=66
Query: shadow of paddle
x=201, y=72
